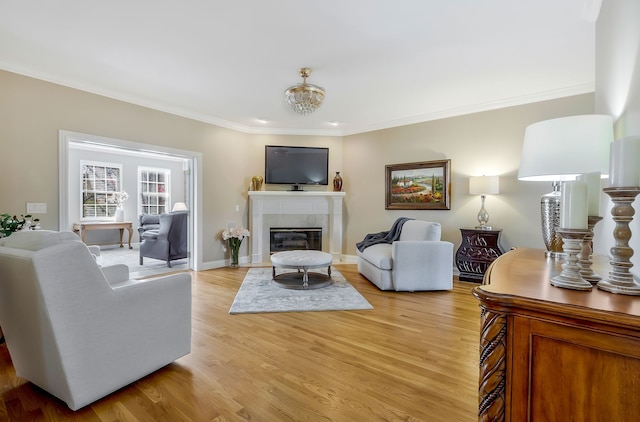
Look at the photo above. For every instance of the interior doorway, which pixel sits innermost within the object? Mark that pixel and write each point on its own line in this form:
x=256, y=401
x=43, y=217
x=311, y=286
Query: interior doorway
x=190, y=193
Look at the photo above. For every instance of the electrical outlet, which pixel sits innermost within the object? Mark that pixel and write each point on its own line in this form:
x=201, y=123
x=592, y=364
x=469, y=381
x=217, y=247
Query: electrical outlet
x=36, y=207
x=237, y=208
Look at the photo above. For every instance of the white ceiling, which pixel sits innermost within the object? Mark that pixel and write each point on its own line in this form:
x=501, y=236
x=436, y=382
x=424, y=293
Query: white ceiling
x=383, y=63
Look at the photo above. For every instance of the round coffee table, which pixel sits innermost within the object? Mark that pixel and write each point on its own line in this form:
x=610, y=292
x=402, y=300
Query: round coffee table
x=303, y=261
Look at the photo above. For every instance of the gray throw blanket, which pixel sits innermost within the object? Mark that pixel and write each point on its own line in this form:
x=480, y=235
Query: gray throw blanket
x=383, y=237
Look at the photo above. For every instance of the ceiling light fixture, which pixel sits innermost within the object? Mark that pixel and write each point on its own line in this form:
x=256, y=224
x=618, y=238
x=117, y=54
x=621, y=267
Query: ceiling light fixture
x=304, y=98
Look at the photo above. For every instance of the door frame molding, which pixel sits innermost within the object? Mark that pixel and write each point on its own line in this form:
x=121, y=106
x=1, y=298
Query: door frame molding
x=193, y=193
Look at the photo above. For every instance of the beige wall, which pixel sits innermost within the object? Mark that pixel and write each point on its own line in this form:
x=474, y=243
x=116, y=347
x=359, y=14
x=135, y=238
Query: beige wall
x=618, y=94
x=32, y=112
x=487, y=143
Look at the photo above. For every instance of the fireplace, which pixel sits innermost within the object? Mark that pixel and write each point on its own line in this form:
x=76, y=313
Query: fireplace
x=296, y=238
x=309, y=209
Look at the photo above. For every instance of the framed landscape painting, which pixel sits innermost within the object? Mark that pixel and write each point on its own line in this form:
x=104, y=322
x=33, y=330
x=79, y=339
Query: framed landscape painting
x=418, y=186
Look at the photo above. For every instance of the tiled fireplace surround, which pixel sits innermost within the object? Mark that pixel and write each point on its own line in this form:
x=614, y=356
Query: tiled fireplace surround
x=295, y=209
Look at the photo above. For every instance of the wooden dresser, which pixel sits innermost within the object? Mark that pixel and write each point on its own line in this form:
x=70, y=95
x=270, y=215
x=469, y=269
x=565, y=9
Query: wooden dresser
x=552, y=354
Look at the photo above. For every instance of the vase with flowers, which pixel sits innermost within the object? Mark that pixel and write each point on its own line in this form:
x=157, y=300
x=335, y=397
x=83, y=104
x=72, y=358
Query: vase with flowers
x=120, y=198
x=234, y=237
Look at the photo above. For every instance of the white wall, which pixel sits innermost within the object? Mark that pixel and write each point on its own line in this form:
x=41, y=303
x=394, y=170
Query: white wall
x=618, y=94
x=130, y=165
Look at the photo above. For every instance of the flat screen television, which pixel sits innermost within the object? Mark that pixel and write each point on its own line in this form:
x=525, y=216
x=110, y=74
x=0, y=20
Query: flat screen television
x=296, y=166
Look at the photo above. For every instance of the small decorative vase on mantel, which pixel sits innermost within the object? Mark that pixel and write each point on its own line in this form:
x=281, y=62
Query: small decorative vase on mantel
x=256, y=183
x=337, y=182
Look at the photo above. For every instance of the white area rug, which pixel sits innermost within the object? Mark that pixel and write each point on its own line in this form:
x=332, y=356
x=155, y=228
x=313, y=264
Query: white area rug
x=259, y=293
x=111, y=255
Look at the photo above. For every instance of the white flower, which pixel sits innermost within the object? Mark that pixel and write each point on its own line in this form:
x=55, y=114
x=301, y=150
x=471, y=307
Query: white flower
x=235, y=232
x=120, y=198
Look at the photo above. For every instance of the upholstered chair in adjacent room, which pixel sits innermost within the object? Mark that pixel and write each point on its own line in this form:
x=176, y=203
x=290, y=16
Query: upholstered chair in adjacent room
x=169, y=241
x=148, y=222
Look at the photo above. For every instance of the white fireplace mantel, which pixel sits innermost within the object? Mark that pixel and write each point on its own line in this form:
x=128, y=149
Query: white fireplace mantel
x=265, y=203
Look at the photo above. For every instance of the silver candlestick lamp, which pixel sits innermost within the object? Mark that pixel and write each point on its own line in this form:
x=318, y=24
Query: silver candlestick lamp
x=484, y=185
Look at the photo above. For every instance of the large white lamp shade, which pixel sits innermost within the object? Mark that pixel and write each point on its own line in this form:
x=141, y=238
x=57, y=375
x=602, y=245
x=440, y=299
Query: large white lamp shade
x=559, y=150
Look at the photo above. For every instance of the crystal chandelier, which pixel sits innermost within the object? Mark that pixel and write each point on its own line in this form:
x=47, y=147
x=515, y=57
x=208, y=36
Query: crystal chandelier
x=304, y=98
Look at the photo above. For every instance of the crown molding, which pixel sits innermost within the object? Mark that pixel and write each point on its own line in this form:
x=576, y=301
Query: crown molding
x=471, y=109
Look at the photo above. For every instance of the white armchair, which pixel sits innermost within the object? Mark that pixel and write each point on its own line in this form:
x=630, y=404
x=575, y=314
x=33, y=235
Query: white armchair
x=417, y=260
x=79, y=331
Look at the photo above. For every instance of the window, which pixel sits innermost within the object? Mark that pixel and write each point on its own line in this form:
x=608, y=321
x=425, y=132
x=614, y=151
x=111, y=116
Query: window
x=100, y=183
x=154, y=190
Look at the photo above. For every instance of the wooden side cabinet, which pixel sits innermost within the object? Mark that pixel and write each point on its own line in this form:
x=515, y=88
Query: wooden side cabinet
x=479, y=248
x=553, y=354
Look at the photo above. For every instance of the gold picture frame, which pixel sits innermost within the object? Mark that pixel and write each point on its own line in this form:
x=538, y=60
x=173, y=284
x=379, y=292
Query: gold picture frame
x=418, y=186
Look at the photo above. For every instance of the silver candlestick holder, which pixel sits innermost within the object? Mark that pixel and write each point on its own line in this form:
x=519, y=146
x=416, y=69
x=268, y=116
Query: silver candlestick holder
x=620, y=278
x=570, y=277
x=584, y=257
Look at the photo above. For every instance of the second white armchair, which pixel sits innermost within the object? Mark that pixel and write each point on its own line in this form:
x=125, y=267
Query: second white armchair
x=417, y=260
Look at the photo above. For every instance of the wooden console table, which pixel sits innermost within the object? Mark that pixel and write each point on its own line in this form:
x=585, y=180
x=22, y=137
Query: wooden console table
x=82, y=228
x=553, y=354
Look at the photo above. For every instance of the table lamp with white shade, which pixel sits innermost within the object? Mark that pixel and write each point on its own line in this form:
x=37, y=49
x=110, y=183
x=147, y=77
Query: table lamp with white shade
x=179, y=206
x=558, y=150
x=484, y=185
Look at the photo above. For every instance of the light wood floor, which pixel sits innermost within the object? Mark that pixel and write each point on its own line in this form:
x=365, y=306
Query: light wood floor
x=414, y=357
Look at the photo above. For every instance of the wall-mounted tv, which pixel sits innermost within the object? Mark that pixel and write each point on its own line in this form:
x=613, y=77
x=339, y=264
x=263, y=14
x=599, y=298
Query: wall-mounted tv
x=296, y=166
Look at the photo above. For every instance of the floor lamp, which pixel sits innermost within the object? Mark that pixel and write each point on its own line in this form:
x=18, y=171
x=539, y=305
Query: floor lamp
x=558, y=150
